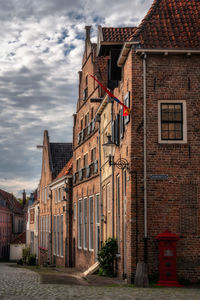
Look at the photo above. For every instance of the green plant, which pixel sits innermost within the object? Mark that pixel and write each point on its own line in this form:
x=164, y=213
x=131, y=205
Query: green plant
x=32, y=259
x=107, y=256
x=25, y=255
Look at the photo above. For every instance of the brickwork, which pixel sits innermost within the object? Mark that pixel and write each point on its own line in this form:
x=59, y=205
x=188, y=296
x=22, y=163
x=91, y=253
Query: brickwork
x=85, y=159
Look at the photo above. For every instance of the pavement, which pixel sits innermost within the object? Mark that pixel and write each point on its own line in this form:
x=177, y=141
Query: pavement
x=23, y=284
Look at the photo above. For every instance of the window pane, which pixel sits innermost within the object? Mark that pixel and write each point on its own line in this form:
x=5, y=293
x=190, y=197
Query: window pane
x=165, y=126
x=171, y=126
x=172, y=135
x=171, y=121
x=91, y=223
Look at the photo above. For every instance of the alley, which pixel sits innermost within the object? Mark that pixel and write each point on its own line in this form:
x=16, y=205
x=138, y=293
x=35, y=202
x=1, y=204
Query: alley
x=22, y=284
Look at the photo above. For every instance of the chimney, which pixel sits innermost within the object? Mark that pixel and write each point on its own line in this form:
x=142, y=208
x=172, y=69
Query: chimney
x=87, y=29
x=24, y=198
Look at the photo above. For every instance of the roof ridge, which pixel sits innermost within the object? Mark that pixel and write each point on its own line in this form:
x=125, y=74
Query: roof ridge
x=145, y=20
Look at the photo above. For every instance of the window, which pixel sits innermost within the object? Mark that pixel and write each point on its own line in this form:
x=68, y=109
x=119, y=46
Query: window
x=85, y=160
x=78, y=164
x=60, y=194
x=81, y=124
x=85, y=224
x=92, y=113
x=86, y=119
x=56, y=196
x=54, y=235
x=97, y=223
x=118, y=212
x=108, y=191
x=91, y=217
x=80, y=223
x=58, y=237
x=93, y=154
x=74, y=211
x=172, y=122
x=61, y=235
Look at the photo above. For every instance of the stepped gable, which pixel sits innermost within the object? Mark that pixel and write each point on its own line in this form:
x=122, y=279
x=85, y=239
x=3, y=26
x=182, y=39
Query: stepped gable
x=60, y=155
x=117, y=34
x=170, y=24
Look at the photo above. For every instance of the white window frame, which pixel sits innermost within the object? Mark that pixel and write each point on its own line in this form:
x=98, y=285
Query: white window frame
x=54, y=233
x=85, y=221
x=74, y=211
x=61, y=236
x=80, y=223
x=184, y=140
x=91, y=247
x=58, y=235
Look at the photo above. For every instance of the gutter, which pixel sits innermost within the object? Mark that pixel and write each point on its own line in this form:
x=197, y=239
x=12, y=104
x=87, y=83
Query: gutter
x=188, y=52
x=124, y=52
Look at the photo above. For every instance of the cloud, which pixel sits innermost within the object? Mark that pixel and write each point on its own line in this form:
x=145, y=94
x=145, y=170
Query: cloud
x=41, y=48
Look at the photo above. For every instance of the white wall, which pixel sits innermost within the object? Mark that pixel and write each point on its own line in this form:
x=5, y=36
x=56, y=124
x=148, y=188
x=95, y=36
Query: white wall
x=16, y=251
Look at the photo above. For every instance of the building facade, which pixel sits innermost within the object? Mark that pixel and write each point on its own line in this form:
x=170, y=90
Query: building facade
x=86, y=189
x=54, y=158
x=11, y=221
x=61, y=194
x=158, y=191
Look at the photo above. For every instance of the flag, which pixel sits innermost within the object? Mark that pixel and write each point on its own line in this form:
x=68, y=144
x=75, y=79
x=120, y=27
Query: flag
x=126, y=110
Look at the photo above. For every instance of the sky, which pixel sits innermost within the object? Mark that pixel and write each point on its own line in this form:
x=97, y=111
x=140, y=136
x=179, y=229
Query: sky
x=41, y=47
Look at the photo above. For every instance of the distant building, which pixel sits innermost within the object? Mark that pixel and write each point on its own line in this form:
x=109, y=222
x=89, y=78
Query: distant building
x=54, y=158
x=11, y=221
x=61, y=217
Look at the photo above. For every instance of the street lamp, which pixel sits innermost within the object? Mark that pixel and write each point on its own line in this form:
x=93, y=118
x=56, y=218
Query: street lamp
x=109, y=151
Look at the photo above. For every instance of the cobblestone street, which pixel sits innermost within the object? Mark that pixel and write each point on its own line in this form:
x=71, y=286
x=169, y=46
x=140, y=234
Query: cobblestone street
x=22, y=284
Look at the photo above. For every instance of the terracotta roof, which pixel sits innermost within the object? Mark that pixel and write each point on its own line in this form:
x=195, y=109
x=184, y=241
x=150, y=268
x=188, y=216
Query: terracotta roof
x=11, y=202
x=119, y=34
x=20, y=239
x=60, y=155
x=67, y=170
x=170, y=24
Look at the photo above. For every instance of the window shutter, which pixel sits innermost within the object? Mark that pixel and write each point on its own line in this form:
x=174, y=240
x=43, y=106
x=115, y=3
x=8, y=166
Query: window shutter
x=117, y=130
x=121, y=124
x=113, y=131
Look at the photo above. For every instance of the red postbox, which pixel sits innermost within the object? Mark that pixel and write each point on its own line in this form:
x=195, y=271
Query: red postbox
x=167, y=258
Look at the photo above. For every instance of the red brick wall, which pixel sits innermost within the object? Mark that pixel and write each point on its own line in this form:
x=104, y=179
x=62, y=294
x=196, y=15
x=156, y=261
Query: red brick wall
x=84, y=258
x=174, y=77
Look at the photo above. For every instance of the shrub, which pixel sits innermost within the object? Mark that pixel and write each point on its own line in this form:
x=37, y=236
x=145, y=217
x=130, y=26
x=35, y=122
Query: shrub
x=28, y=258
x=107, y=256
x=25, y=255
x=32, y=260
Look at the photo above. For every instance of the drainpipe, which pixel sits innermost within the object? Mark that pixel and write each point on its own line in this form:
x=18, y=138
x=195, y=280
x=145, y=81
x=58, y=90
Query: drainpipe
x=113, y=233
x=145, y=161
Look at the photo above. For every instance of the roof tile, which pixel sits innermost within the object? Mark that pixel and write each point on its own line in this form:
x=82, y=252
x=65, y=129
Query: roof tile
x=119, y=34
x=170, y=24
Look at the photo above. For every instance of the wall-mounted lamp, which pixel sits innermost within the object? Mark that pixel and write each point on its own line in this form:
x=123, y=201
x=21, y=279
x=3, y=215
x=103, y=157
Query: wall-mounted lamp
x=109, y=151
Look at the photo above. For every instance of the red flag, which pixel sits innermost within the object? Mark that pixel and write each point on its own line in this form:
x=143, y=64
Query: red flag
x=126, y=110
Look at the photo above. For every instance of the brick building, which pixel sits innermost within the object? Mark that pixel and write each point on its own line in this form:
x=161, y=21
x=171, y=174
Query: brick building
x=86, y=202
x=11, y=221
x=159, y=79
x=61, y=195
x=54, y=158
